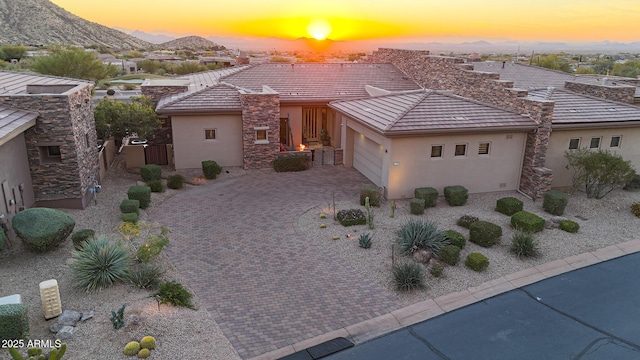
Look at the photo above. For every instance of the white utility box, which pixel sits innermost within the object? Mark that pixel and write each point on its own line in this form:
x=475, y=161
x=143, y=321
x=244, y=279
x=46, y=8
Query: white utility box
x=50, y=296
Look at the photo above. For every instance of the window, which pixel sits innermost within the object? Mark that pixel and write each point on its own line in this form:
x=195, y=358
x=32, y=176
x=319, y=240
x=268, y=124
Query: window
x=595, y=143
x=261, y=134
x=483, y=148
x=461, y=150
x=574, y=144
x=615, y=141
x=50, y=154
x=436, y=151
x=210, y=134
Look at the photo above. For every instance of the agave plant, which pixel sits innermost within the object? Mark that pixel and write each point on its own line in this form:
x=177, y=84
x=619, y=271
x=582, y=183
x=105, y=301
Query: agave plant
x=417, y=234
x=99, y=263
x=365, y=240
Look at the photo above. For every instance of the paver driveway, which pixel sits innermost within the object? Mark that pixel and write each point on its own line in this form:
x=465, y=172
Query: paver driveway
x=236, y=243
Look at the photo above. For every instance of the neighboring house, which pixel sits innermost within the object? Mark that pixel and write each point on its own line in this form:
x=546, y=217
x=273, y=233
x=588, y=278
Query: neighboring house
x=48, y=146
x=472, y=127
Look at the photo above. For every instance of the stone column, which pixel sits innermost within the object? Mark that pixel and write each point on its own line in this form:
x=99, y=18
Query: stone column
x=260, y=114
x=536, y=179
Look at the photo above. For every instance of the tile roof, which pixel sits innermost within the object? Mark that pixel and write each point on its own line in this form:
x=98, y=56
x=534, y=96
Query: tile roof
x=197, y=81
x=573, y=108
x=321, y=82
x=525, y=76
x=215, y=98
x=12, y=82
x=14, y=122
x=425, y=111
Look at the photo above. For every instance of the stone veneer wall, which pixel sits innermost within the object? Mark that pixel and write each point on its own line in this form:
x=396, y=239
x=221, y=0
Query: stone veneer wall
x=66, y=120
x=260, y=110
x=158, y=92
x=621, y=93
x=449, y=73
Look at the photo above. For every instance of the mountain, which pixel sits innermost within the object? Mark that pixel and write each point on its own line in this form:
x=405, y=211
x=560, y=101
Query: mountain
x=41, y=22
x=191, y=43
x=154, y=39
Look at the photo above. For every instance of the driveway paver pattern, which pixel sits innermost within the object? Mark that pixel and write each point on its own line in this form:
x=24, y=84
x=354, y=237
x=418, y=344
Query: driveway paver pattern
x=235, y=241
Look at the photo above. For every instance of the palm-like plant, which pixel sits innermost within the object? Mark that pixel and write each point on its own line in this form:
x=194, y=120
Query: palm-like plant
x=417, y=234
x=99, y=263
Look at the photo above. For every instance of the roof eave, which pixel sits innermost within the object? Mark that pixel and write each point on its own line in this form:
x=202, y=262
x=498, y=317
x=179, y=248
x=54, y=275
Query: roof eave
x=19, y=130
x=233, y=111
x=595, y=125
x=500, y=129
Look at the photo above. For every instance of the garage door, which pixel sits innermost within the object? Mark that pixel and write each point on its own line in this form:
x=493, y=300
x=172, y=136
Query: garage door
x=367, y=158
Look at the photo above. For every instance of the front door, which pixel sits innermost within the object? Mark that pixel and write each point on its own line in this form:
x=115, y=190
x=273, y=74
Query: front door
x=314, y=119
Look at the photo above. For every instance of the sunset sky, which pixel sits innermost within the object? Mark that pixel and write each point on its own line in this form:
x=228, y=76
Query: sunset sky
x=545, y=20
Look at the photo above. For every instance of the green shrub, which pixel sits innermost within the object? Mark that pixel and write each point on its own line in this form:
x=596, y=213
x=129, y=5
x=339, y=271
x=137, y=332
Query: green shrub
x=569, y=226
x=2, y=237
x=635, y=209
x=554, y=202
x=416, y=234
x=42, y=229
x=117, y=318
x=98, y=264
x=408, y=276
x=466, y=220
x=145, y=276
x=456, y=195
x=436, y=270
x=141, y=193
x=508, y=205
x=350, y=217
x=175, y=181
x=14, y=322
x=80, y=236
x=523, y=244
x=292, y=163
x=484, y=233
x=210, y=169
x=130, y=206
x=364, y=240
x=633, y=184
x=599, y=172
x=130, y=218
x=372, y=192
x=477, y=261
x=450, y=254
x=428, y=194
x=152, y=248
x=455, y=238
x=416, y=206
x=151, y=172
x=155, y=186
x=175, y=294
x=526, y=221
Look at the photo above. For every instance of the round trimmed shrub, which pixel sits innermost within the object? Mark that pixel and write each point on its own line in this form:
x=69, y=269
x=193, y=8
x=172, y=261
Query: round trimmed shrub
x=175, y=181
x=508, y=205
x=42, y=229
x=455, y=238
x=155, y=186
x=98, y=264
x=80, y=236
x=210, y=169
x=477, y=262
x=526, y=221
x=450, y=254
x=428, y=194
x=569, y=226
x=141, y=193
x=554, y=202
x=416, y=206
x=484, y=233
x=456, y=195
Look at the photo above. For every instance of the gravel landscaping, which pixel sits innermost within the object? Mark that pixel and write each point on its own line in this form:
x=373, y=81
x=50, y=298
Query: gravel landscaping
x=189, y=334
x=608, y=221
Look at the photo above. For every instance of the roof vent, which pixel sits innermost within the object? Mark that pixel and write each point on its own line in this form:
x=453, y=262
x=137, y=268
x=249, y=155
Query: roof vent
x=574, y=110
x=604, y=80
x=460, y=118
x=548, y=93
x=612, y=109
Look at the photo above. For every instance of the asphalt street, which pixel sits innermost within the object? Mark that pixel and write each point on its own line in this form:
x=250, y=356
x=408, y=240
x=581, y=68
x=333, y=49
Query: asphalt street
x=589, y=313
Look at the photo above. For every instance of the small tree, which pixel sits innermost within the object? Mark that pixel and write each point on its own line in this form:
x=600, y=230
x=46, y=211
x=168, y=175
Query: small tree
x=599, y=172
x=73, y=62
x=117, y=118
x=9, y=52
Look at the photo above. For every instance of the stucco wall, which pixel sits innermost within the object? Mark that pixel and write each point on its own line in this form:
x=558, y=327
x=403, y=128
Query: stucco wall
x=559, y=143
x=498, y=171
x=295, y=121
x=14, y=169
x=191, y=147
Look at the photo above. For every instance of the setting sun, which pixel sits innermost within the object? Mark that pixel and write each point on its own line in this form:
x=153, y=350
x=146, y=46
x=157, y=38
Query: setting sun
x=319, y=29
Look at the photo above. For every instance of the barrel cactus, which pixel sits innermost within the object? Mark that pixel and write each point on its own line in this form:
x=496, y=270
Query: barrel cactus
x=132, y=348
x=148, y=342
x=144, y=353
